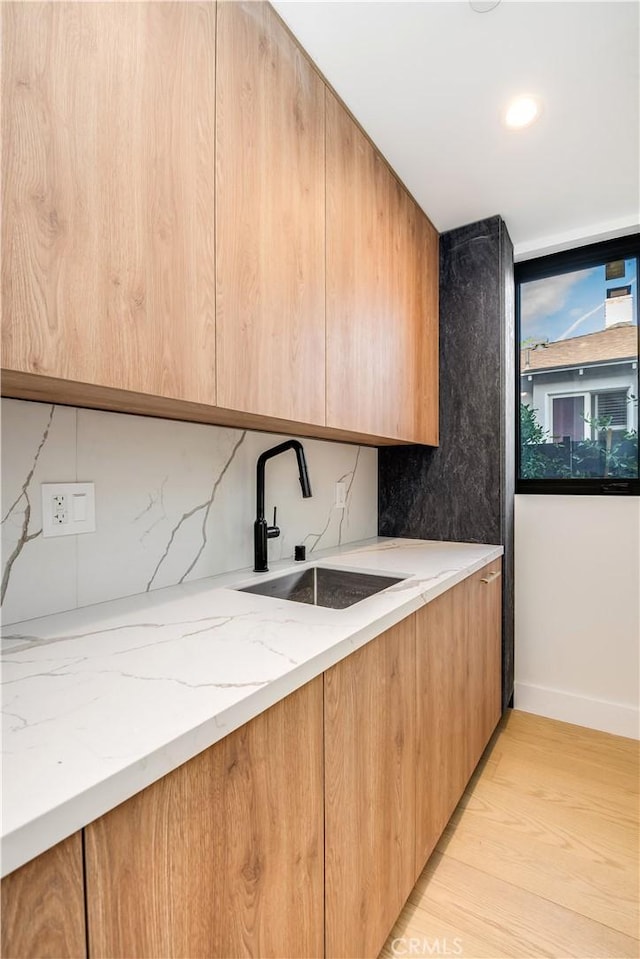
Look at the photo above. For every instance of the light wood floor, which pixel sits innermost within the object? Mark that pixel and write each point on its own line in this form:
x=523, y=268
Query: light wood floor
x=541, y=857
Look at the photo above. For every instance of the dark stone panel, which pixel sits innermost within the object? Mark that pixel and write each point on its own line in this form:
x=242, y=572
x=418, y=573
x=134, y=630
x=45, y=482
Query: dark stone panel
x=463, y=489
x=510, y=407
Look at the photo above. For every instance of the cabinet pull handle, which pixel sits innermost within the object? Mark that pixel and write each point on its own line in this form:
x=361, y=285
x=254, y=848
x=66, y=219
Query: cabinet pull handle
x=490, y=578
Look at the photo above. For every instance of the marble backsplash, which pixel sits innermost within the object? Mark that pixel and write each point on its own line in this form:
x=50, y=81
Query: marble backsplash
x=174, y=502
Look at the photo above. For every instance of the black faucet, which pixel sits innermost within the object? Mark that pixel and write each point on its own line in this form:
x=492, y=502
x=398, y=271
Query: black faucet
x=262, y=532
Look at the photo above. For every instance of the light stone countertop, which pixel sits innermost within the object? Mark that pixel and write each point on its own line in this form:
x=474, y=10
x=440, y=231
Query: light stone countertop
x=100, y=702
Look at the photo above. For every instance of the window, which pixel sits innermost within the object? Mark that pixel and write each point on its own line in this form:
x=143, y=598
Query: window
x=613, y=406
x=568, y=420
x=577, y=356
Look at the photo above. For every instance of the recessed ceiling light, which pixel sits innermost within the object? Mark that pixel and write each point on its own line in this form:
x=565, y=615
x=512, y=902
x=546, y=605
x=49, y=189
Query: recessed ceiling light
x=483, y=6
x=521, y=112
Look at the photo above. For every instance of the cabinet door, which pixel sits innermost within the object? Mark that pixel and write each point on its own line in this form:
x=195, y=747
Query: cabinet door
x=458, y=669
x=442, y=756
x=369, y=791
x=270, y=200
x=224, y=856
x=108, y=177
x=423, y=311
x=43, y=906
x=484, y=658
x=382, y=283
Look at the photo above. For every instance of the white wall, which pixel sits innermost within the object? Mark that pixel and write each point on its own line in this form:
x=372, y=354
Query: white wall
x=577, y=608
x=174, y=501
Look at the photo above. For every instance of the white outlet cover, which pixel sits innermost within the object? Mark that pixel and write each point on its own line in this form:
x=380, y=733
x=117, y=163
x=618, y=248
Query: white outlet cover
x=79, y=510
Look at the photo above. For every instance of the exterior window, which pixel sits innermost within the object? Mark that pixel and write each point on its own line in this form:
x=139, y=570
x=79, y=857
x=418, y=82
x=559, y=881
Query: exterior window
x=577, y=332
x=614, y=407
x=568, y=419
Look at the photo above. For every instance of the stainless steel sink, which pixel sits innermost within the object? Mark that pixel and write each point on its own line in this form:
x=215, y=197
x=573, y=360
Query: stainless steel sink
x=321, y=586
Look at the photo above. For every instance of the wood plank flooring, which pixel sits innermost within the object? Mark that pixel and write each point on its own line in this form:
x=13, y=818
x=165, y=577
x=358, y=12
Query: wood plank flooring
x=541, y=856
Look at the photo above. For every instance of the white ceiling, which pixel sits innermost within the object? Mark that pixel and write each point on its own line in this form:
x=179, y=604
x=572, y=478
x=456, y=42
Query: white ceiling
x=429, y=80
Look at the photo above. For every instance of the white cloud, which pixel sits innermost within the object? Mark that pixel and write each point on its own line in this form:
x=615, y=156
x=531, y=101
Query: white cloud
x=542, y=298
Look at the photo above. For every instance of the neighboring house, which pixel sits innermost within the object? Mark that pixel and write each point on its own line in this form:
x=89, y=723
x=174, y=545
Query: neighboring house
x=572, y=381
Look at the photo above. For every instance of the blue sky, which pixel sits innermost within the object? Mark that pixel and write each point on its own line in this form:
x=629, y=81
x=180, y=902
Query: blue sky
x=569, y=305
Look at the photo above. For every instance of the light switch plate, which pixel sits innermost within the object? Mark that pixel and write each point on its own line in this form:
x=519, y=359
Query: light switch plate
x=68, y=509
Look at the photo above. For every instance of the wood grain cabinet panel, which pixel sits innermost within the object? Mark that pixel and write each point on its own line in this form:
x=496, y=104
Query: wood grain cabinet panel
x=442, y=765
x=224, y=856
x=484, y=659
x=108, y=194
x=458, y=670
x=43, y=906
x=382, y=294
x=193, y=226
x=423, y=358
x=270, y=234
x=369, y=791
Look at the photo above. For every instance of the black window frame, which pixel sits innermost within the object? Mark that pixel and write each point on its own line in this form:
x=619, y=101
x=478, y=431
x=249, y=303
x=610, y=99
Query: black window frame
x=554, y=264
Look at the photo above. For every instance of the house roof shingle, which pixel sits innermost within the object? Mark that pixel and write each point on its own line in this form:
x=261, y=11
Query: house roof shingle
x=617, y=343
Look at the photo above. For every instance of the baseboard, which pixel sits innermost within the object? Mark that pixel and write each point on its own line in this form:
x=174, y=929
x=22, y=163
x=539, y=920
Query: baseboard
x=593, y=713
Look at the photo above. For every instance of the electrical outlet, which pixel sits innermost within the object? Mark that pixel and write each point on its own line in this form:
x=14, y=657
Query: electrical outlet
x=68, y=508
x=59, y=509
x=341, y=496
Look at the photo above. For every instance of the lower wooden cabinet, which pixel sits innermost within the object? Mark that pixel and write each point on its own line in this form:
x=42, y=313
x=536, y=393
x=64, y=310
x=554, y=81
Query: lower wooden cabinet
x=302, y=833
x=369, y=726
x=43, y=906
x=441, y=756
x=458, y=703
x=484, y=659
x=224, y=856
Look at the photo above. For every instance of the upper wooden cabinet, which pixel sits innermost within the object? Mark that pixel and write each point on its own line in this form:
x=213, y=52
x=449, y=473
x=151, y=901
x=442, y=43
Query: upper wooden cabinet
x=270, y=199
x=193, y=226
x=382, y=294
x=108, y=180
